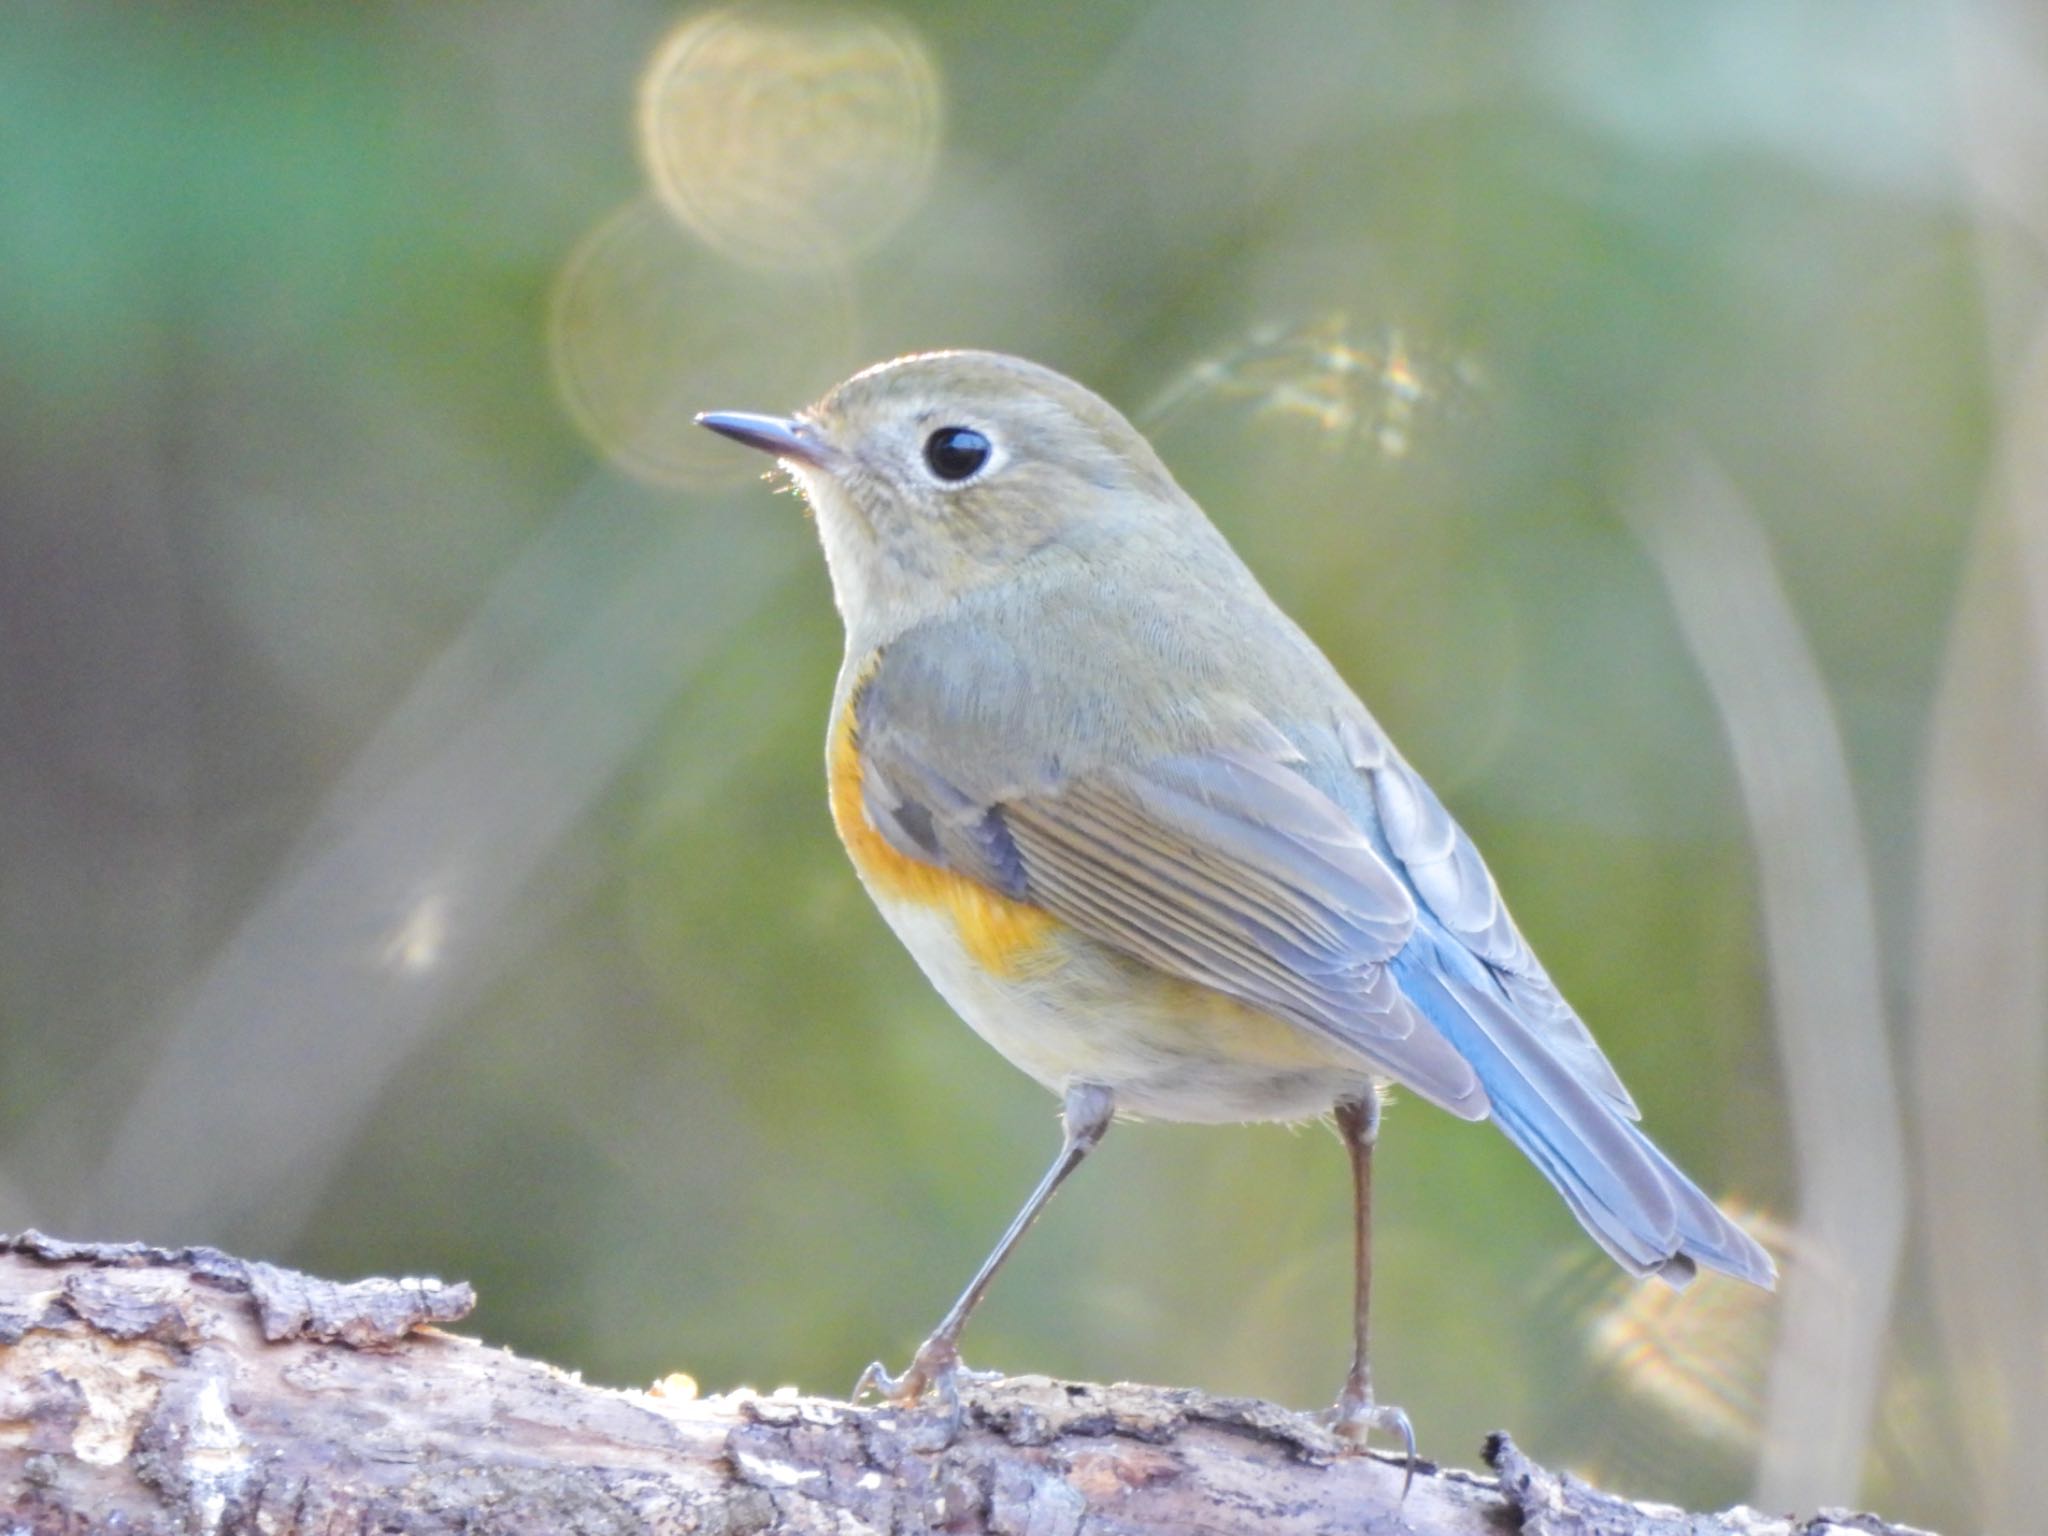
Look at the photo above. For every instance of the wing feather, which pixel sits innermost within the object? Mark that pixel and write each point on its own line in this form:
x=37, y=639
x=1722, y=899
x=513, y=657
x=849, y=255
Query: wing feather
x=1228, y=869
x=1454, y=884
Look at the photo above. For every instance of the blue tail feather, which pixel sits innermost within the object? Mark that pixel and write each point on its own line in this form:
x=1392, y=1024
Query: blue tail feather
x=1633, y=1200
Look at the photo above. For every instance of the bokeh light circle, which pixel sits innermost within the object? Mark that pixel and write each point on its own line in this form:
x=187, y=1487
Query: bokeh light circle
x=646, y=328
x=790, y=135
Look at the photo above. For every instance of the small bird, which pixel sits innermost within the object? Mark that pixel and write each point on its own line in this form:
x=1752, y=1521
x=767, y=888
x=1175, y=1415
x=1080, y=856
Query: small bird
x=1140, y=834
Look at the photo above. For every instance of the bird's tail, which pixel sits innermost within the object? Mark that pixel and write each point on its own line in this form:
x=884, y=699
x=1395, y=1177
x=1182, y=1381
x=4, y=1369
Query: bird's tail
x=1625, y=1192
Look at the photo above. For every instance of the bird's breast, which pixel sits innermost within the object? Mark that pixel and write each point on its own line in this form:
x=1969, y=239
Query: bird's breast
x=999, y=933
x=1065, y=1007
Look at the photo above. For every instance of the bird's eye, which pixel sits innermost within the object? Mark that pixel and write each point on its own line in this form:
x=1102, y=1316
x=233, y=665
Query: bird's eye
x=956, y=453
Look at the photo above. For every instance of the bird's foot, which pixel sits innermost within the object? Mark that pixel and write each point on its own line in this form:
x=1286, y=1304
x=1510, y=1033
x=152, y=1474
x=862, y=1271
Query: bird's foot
x=1356, y=1416
x=936, y=1370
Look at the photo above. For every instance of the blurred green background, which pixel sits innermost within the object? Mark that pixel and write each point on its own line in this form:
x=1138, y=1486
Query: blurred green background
x=414, y=854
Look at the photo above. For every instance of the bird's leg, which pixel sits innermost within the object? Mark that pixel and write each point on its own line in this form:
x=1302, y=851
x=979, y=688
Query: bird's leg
x=1356, y=1415
x=936, y=1367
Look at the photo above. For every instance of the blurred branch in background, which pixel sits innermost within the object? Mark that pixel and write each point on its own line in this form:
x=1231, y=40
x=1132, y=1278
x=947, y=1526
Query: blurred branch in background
x=1980, y=998
x=1820, y=943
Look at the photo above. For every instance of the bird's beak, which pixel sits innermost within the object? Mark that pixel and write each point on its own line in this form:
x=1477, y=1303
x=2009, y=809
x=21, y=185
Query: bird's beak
x=787, y=437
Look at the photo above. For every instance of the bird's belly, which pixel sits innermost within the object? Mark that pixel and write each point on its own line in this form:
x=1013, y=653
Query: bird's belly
x=1065, y=1008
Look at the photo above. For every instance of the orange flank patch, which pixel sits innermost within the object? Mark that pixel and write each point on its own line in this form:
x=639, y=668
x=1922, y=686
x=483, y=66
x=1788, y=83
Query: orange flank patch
x=1000, y=933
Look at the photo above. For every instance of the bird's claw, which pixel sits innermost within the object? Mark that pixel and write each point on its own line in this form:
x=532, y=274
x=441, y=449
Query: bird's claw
x=936, y=1370
x=876, y=1379
x=1356, y=1416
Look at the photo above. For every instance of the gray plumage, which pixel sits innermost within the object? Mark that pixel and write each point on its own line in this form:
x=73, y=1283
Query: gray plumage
x=1245, y=835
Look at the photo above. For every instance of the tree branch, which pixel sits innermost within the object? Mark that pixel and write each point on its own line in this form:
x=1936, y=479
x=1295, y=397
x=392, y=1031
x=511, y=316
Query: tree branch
x=146, y=1390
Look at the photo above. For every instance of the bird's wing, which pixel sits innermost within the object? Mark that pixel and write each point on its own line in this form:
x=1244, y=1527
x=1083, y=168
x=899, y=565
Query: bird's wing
x=1452, y=882
x=1223, y=866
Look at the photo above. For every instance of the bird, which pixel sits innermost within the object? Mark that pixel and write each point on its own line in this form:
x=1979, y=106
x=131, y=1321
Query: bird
x=1139, y=833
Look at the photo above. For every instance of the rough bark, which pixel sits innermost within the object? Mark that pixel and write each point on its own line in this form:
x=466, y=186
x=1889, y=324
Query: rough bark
x=145, y=1390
